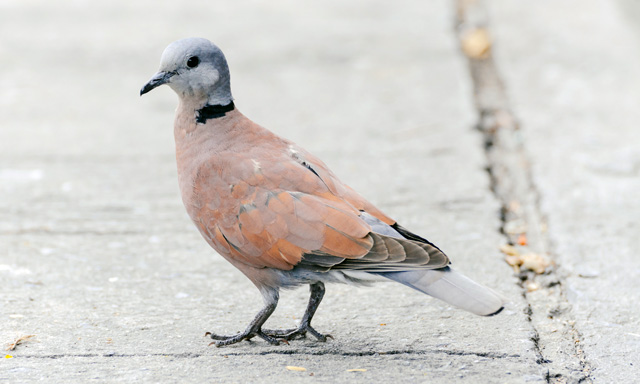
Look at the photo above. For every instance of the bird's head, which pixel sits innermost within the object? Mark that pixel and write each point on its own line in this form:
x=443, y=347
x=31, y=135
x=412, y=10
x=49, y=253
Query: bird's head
x=196, y=70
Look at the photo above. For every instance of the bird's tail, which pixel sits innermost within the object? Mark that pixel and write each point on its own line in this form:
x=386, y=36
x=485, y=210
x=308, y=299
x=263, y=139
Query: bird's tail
x=452, y=287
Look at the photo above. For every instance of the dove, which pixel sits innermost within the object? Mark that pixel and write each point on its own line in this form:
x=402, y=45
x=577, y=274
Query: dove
x=279, y=214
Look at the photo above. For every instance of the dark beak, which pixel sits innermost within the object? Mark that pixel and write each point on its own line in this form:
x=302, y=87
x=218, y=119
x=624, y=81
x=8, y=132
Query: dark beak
x=157, y=80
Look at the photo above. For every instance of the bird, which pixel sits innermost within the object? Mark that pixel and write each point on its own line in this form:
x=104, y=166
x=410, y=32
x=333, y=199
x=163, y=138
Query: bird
x=277, y=212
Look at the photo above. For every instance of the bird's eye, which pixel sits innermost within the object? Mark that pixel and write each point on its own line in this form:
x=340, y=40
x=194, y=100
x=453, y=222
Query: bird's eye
x=193, y=62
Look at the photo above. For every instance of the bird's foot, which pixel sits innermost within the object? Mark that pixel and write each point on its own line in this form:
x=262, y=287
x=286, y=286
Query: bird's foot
x=296, y=333
x=222, y=340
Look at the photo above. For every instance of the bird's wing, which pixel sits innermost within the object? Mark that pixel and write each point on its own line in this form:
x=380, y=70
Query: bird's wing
x=340, y=190
x=285, y=214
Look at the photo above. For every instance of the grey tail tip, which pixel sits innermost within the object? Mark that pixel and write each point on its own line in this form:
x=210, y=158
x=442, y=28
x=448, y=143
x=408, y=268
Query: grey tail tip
x=495, y=313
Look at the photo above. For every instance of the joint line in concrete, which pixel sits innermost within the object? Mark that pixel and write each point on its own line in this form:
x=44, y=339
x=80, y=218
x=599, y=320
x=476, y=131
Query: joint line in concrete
x=513, y=185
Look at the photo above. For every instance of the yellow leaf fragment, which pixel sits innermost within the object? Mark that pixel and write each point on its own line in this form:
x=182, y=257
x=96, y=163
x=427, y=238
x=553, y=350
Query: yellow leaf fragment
x=512, y=257
x=299, y=369
x=476, y=43
x=509, y=250
x=8, y=357
x=515, y=262
x=535, y=262
x=357, y=370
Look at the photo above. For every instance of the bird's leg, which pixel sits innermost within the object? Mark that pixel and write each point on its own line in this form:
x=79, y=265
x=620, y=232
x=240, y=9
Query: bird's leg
x=271, y=297
x=317, y=293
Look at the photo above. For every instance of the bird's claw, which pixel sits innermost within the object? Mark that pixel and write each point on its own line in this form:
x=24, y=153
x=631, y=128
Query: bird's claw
x=296, y=333
x=222, y=340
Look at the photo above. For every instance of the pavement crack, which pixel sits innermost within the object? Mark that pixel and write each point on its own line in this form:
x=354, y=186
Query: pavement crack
x=490, y=355
x=555, y=338
x=54, y=356
x=310, y=352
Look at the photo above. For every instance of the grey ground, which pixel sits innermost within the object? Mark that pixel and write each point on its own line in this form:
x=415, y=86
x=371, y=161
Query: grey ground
x=99, y=261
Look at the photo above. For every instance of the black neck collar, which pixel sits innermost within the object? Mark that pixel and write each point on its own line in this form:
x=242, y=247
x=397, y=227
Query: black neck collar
x=213, y=112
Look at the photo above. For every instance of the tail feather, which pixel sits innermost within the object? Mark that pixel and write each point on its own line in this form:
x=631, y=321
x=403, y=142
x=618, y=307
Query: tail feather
x=452, y=287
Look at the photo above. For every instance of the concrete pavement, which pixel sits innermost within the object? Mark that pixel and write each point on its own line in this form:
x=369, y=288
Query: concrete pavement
x=574, y=81
x=99, y=261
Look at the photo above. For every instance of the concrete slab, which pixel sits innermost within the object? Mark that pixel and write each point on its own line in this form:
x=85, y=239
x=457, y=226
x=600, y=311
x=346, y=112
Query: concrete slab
x=571, y=70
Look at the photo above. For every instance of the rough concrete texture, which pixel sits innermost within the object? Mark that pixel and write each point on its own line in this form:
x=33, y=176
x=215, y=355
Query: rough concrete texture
x=99, y=261
x=573, y=77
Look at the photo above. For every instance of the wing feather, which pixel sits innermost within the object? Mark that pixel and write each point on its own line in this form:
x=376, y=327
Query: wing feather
x=286, y=214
